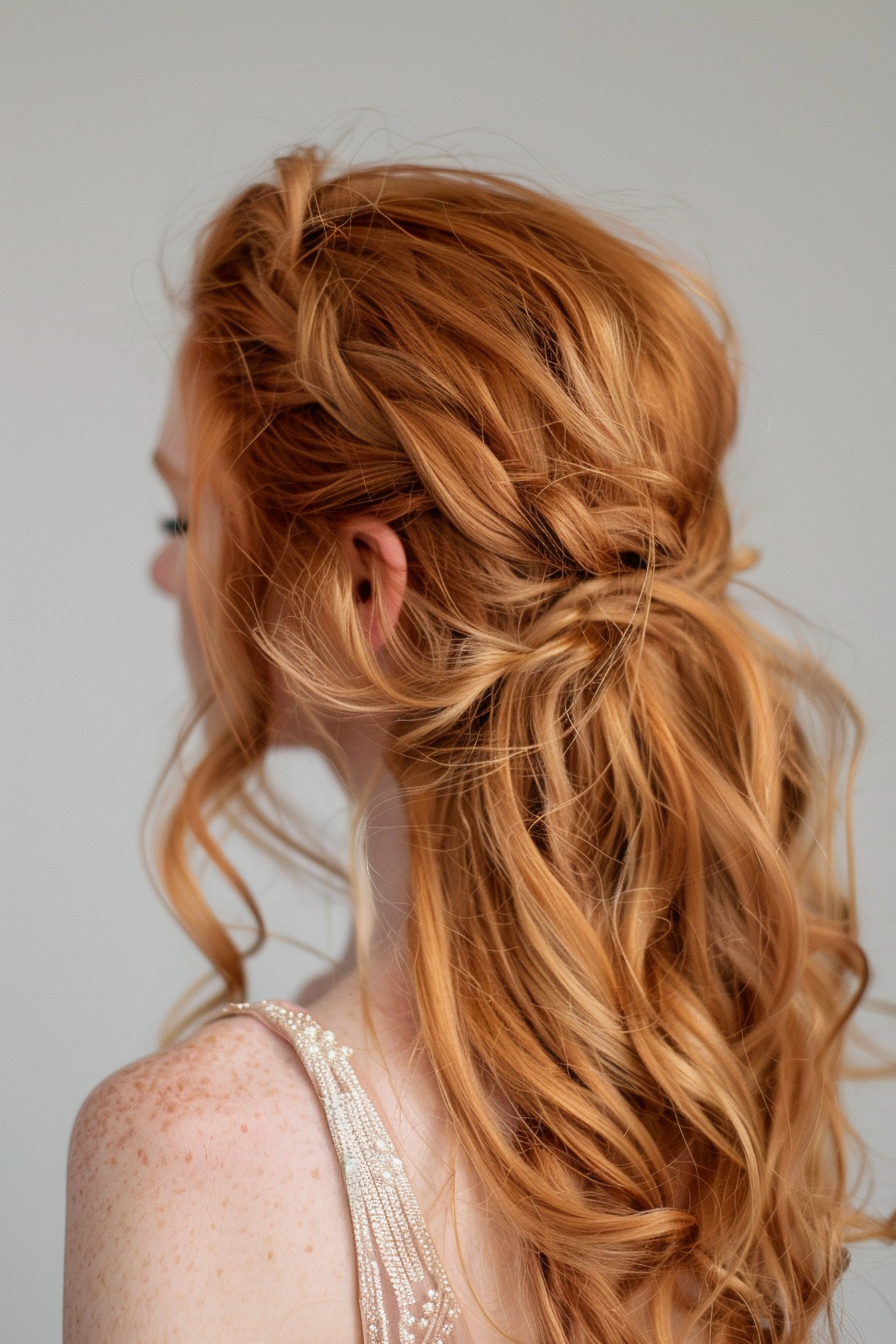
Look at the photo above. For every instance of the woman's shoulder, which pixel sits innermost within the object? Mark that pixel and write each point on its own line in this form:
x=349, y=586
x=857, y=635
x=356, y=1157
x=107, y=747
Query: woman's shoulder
x=195, y=1175
x=231, y=1080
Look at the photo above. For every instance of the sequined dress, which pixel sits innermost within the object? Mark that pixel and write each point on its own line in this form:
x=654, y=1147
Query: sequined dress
x=403, y=1290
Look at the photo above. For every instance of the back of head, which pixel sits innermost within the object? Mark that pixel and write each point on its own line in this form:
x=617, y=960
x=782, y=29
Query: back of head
x=625, y=918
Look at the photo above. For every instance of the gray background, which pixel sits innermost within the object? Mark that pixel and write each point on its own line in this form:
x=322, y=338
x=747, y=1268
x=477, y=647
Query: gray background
x=751, y=134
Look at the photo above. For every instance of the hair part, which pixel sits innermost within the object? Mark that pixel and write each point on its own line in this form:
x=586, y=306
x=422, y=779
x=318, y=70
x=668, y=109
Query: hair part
x=620, y=790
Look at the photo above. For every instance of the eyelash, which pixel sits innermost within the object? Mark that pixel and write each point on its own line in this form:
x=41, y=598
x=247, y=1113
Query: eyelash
x=174, y=527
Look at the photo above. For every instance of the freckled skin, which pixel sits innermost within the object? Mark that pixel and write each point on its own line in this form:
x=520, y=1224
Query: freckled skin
x=206, y=1202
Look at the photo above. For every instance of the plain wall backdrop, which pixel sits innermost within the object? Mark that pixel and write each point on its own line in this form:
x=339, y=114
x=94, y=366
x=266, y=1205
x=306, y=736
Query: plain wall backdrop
x=752, y=135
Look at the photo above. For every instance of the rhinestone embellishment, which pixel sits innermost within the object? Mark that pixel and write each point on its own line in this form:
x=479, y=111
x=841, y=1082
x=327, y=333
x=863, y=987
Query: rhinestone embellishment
x=402, y=1284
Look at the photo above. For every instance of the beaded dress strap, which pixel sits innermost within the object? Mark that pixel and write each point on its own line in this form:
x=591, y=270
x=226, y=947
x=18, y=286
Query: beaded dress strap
x=403, y=1290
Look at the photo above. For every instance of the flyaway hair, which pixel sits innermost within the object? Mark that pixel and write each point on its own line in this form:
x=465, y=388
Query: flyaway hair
x=621, y=791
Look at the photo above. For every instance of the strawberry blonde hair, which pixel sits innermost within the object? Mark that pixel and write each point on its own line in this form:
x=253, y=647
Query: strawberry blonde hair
x=620, y=789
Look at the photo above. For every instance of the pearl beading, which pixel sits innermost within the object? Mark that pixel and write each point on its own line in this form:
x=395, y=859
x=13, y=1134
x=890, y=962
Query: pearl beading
x=401, y=1280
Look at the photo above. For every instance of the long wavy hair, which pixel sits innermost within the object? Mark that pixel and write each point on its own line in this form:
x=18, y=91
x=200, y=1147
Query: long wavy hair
x=621, y=790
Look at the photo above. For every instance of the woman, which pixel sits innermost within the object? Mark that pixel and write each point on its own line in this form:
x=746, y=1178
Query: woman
x=446, y=460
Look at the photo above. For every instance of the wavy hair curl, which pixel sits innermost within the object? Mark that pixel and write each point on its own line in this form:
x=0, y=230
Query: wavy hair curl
x=621, y=790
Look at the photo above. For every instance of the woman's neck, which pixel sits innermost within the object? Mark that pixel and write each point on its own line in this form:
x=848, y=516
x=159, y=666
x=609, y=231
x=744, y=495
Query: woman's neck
x=381, y=865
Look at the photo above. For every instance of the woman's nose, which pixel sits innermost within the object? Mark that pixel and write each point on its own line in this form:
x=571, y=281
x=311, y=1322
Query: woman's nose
x=164, y=568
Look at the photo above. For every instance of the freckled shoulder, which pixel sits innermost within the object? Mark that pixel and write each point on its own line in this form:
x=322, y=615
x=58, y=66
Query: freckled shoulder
x=205, y=1200
x=232, y=1069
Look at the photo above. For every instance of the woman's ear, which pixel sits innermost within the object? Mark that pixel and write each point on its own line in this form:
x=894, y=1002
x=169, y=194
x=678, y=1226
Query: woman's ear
x=379, y=569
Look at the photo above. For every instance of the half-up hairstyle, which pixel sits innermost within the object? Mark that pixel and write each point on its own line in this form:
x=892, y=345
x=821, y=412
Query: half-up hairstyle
x=626, y=919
